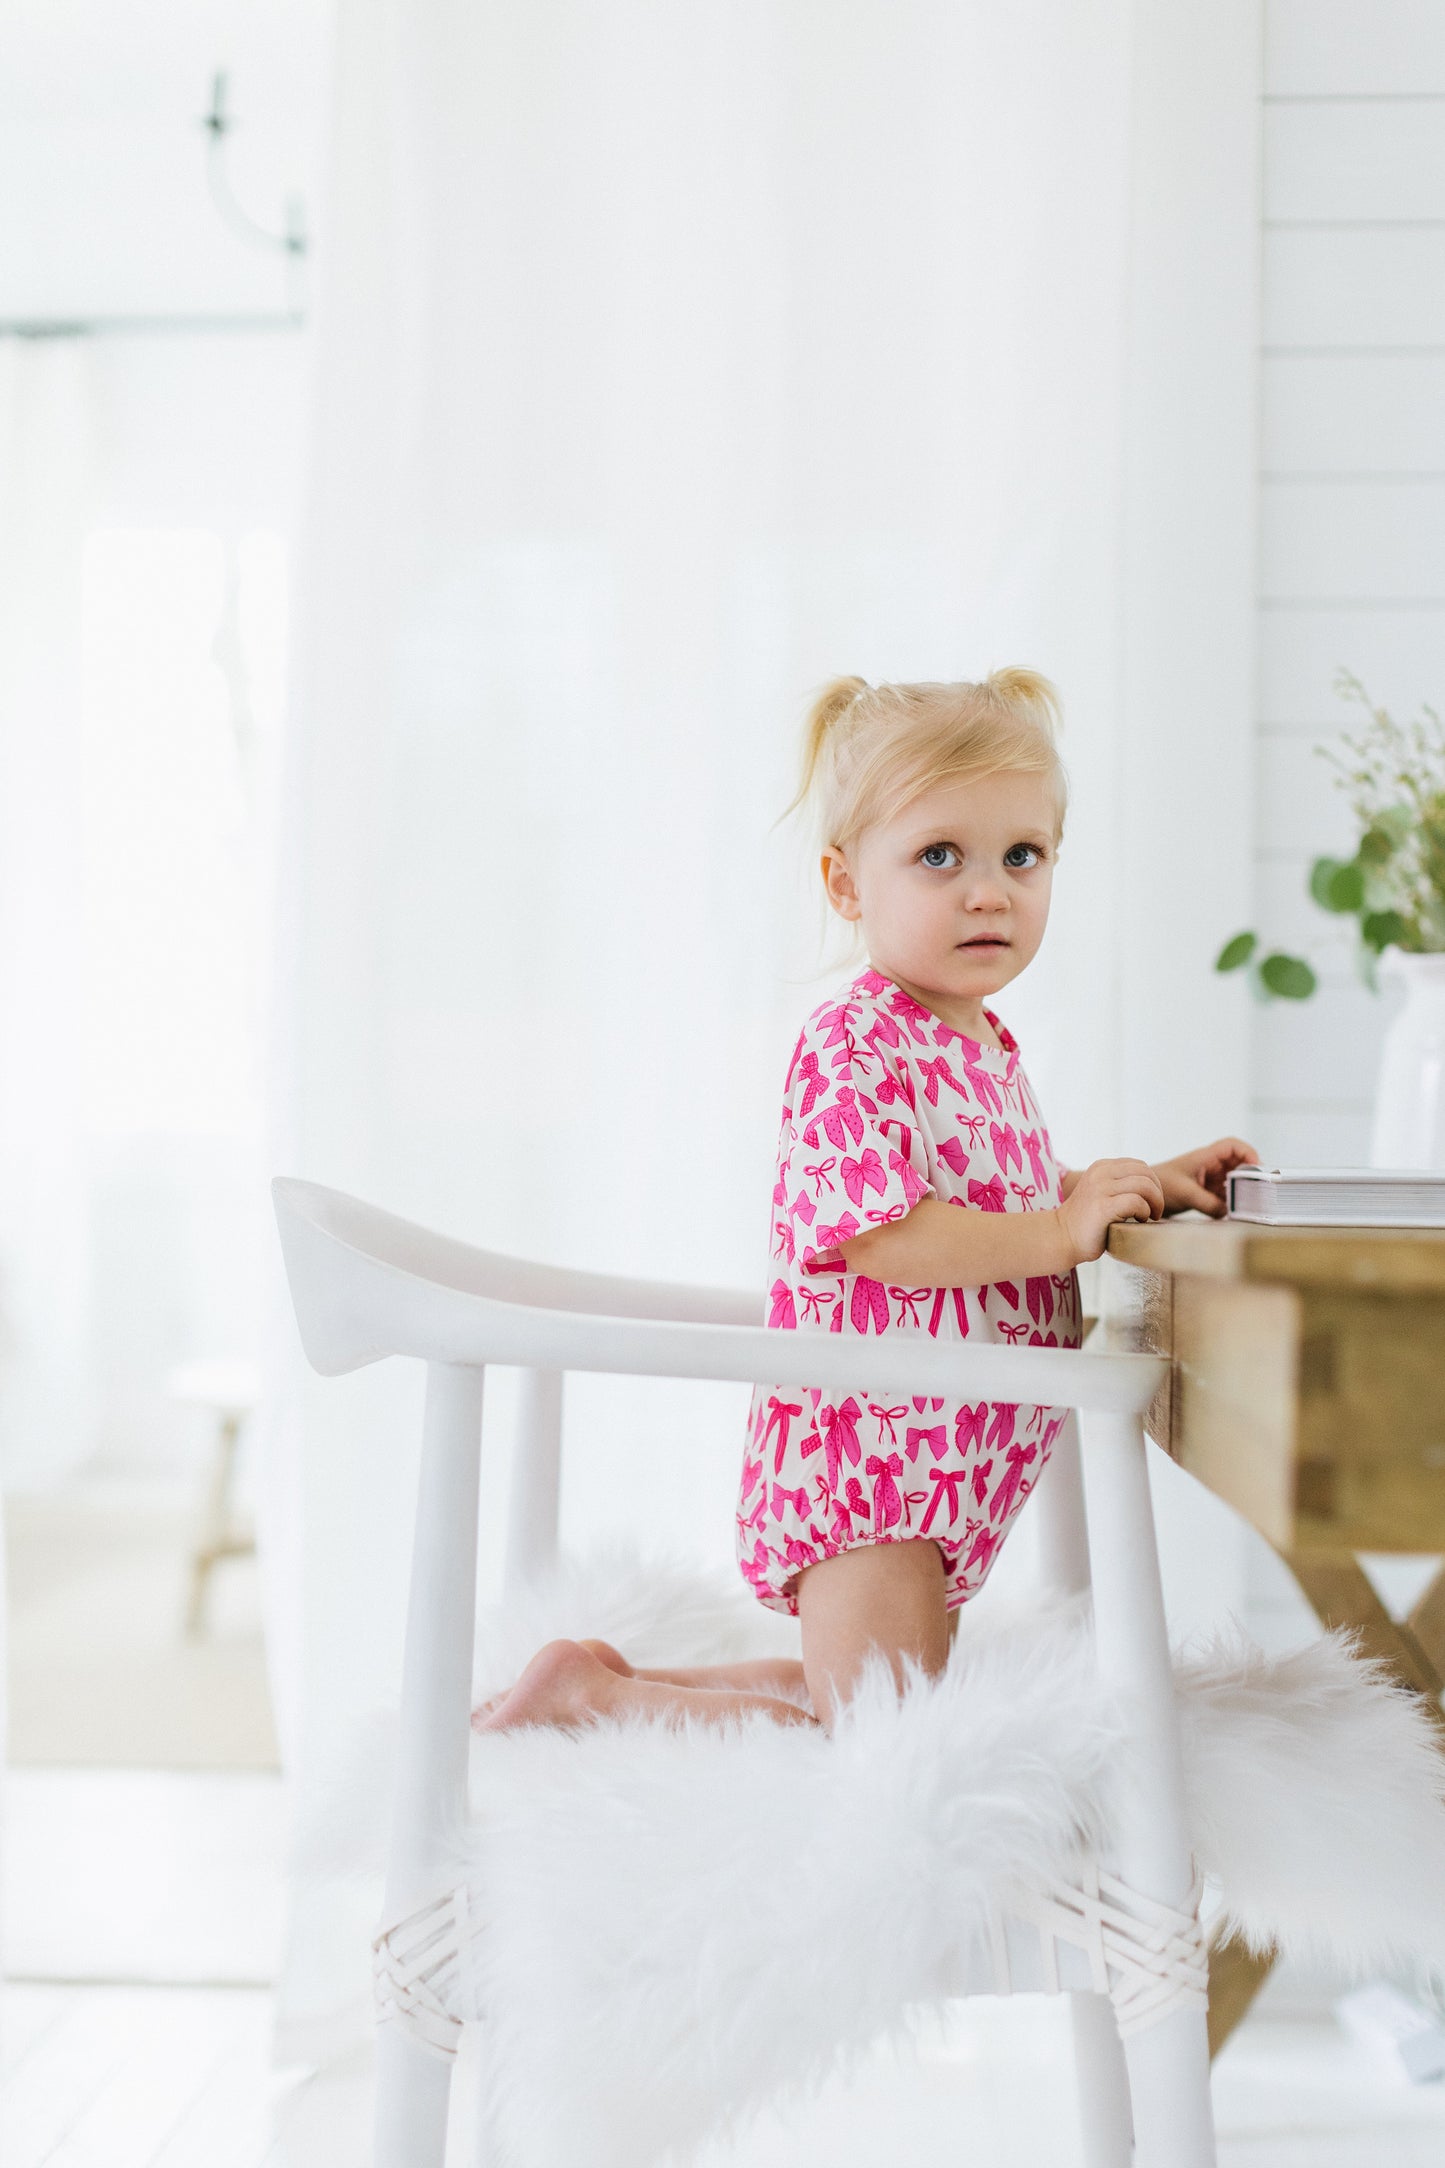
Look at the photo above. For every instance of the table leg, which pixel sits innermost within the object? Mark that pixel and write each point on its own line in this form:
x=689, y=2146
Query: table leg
x=1427, y=1623
x=1236, y=1976
x=1341, y=1594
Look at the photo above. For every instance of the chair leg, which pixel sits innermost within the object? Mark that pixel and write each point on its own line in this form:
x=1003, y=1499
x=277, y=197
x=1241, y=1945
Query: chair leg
x=1168, y=2062
x=536, y=1479
x=1059, y=1502
x=1101, y=2084
x=413, y=2099
x=412, y=2085
x=216, y=1539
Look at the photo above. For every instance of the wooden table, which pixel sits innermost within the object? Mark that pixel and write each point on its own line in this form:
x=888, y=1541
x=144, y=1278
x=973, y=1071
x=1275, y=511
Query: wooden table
x=1306, y=1388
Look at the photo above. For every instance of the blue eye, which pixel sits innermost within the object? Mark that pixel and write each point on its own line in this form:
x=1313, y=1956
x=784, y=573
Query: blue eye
x=1019, y=856
x=937, y=855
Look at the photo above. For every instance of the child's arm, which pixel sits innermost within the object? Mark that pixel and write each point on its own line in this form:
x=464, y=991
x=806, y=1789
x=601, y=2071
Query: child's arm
x=941, y=1245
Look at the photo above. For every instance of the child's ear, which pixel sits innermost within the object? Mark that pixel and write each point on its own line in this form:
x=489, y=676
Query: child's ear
x=838, y=881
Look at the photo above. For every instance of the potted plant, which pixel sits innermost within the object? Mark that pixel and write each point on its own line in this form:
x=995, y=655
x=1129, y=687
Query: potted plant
x=1394, y=888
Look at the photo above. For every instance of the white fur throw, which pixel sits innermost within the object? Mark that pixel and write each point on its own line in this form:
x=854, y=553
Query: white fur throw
x=680, y=1924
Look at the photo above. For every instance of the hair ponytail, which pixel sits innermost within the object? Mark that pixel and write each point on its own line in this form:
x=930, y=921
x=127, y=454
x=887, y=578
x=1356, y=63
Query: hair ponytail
x=832, y=703
x=1026, y=691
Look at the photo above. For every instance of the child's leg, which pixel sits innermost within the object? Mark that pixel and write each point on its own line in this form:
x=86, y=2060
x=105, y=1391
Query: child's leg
x=748, y=1674
x=889, y=1597
x=769, y=1675
x=566, y=1684
x=752, y=1675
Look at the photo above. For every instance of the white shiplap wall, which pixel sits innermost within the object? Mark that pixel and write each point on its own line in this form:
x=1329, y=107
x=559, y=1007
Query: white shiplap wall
x=1352, y=492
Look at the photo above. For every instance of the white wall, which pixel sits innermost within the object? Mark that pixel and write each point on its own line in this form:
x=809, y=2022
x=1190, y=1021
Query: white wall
x=1352, y=494
x=1352, y=529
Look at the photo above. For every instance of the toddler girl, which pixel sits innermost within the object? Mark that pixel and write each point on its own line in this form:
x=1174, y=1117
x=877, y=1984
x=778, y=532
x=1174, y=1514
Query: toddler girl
x=917, y=1193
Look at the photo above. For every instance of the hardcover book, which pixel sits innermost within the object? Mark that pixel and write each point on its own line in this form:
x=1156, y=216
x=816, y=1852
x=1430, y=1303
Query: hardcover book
x=1337, y=1197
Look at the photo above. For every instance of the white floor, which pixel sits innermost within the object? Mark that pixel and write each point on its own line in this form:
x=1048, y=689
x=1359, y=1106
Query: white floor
x=142, y=1877
x=100, y=1671
x=129, y=2077
x=156, y=2077
x=117, y=1884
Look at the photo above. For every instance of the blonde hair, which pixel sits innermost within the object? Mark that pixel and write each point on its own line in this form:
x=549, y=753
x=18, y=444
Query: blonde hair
x=869, y=750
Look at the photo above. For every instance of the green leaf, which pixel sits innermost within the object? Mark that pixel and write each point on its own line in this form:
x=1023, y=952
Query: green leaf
x=1288, y=976
x=1381, y=888
x=1378, y=929
x=1322, y=872
x=1236, y=952
x=1345, y=888
x=1376, y=845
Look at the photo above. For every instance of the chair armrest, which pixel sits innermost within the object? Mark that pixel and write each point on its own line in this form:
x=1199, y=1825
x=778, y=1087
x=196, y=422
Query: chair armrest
x=366, y=1285
x=839, y=1363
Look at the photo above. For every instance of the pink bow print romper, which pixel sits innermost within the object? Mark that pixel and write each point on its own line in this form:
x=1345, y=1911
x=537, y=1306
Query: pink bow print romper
x=885, y=1104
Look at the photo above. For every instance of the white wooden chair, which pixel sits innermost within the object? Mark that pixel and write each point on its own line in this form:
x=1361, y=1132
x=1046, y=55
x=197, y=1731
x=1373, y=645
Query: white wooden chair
x=366, y=1285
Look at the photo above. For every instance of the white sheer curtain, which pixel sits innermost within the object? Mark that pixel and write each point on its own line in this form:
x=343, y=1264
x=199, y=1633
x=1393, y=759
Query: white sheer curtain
x=671, y=361
x=46, y=483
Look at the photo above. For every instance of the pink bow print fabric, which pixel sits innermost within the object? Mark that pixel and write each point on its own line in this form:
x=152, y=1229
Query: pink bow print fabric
x=884, y=1104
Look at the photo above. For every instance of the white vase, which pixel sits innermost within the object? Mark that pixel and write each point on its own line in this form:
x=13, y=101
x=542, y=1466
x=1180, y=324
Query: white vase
x=1410, y=1088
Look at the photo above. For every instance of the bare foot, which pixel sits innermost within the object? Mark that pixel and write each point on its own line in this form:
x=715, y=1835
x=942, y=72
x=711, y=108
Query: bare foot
x=613, y=1658
x=564, y=1684
x=602, y=1650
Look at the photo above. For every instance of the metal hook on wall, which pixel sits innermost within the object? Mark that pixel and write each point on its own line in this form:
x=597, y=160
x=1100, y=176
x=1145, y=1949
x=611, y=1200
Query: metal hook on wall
x=293, y=240
x=218, y=125
x=293, y=243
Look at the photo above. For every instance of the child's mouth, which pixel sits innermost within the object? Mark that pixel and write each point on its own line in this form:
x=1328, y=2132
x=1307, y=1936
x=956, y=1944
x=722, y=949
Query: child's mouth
x=985, y=941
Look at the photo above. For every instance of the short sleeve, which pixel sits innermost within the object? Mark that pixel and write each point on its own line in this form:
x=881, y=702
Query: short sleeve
x=858, y=1157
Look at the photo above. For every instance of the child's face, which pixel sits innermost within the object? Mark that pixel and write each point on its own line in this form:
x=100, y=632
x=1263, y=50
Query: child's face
x=953, y=892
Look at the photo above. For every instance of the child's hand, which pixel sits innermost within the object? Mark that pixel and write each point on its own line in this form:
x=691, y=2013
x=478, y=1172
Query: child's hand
x=1195, y=1180
x=1109, y=1190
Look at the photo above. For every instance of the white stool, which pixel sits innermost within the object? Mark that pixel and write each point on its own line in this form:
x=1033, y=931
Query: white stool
x=366, y=1285
x=229, y=1391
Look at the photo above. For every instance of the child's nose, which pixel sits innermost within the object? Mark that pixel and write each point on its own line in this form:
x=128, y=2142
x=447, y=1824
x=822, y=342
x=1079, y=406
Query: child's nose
x=985, y=893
